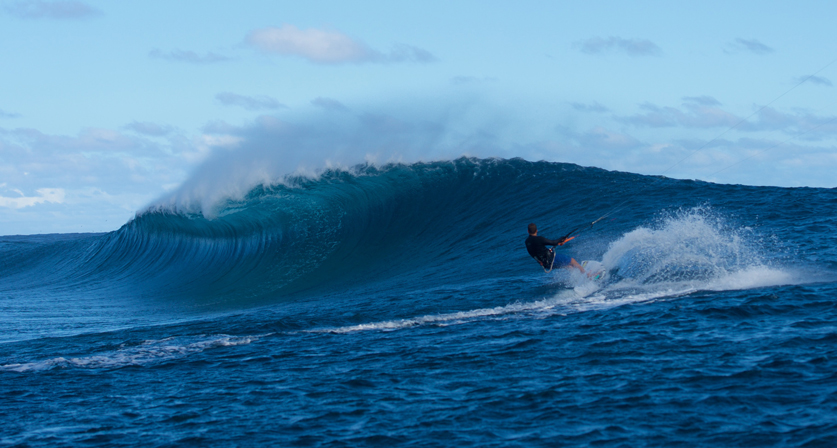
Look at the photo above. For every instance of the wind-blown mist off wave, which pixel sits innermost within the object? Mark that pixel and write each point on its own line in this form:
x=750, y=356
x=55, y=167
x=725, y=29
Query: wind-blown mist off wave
x=272, y=152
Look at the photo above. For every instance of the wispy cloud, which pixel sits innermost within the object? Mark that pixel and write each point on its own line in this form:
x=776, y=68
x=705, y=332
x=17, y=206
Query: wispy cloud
x=329, y=104
x=817, y=80
x=703, y=100
x=59, y=10
x=631, y=47
x=696, y=112
x=407, y=53
x=769, y=159
x=591, y=107
x=706, y=112
x=260, y=102
x=602, y=138
x=4, y=114
x=748, y=45
x=89, y=140
x=150, y=129
x=466, y=80
x=329, y=47
x=189, y=56
x=799, y=123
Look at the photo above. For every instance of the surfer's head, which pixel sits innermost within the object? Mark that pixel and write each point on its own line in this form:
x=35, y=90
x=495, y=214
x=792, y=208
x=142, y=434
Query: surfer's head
x=533, y=229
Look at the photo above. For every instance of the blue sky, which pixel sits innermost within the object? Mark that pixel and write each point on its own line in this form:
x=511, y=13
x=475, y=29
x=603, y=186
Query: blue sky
x=107, y=107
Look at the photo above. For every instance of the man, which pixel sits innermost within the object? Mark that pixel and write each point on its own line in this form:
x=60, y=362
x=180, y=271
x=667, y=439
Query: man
x=548, y=259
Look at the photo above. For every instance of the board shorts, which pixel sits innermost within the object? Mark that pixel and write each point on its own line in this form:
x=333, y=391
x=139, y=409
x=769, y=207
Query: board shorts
x=561, y=261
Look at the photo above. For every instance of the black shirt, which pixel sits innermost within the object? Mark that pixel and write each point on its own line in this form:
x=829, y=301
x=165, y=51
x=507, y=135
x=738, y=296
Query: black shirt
x=536, y=245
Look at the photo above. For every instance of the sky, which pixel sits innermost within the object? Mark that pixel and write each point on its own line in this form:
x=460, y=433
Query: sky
x=107, y=108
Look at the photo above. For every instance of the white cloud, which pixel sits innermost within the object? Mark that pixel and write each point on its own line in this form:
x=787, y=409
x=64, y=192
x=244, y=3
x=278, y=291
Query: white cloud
x=38, y=9
x=631, y=47
x=328, y=47
x=56, y=173
x=55, y=195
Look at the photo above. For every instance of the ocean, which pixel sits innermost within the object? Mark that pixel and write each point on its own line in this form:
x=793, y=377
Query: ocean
x=395, y=305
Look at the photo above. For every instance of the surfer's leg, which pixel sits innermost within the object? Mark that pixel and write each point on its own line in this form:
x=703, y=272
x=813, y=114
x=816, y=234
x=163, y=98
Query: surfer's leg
x=575, y=264
x=563, y=261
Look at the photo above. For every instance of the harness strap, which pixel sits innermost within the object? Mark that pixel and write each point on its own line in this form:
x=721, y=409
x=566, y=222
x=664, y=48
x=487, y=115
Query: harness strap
x=550, y=264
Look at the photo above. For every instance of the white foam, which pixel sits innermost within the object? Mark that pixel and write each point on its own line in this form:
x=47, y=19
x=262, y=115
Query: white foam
x=566, y=302
x=585, y=295
x=688, y=251
x=754, y=277
x=148, y=352
x=447, y=318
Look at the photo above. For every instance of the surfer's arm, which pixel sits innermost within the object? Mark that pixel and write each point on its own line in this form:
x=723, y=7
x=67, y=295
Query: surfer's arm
x=553, y=243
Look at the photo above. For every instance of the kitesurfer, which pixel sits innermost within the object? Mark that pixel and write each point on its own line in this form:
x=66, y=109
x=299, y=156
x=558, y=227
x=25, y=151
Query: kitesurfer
x=546, y=257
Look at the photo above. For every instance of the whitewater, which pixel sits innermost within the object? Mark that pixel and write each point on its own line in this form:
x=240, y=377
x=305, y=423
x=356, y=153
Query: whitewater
x=395, y=304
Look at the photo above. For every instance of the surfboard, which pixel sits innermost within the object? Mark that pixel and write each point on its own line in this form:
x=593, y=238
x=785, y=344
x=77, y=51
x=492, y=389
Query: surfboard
x=595, y=270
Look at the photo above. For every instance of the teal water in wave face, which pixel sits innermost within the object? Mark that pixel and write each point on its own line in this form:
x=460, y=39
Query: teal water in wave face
x=397, y=305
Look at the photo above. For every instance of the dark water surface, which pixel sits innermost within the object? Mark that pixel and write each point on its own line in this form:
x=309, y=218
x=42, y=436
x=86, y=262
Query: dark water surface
x=397, y=306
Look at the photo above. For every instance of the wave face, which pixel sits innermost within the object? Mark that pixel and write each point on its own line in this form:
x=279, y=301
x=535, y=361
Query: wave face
x=416, y=224
x=340, y=308
x=444, y=219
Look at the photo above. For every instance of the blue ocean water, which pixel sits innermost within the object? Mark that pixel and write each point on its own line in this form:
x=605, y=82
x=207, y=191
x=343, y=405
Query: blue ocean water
x=396, y=305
